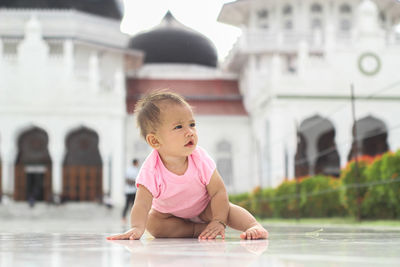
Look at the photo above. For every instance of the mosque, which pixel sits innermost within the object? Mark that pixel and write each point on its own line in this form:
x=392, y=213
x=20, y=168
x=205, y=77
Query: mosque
x=278, y=107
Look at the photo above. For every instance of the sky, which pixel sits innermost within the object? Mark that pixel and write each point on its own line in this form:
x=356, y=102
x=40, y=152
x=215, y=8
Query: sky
x=200, y=15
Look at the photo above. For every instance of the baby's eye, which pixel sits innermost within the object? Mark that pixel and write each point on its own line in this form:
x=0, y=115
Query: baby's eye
x=193, y=124
x=178, y=127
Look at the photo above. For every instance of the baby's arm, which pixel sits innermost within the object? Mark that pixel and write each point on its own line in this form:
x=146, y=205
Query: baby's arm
x=219, y=208
x=139, y=214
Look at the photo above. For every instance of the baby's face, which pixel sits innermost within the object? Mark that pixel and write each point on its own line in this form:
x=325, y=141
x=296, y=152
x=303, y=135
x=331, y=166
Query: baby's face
x=177, y=134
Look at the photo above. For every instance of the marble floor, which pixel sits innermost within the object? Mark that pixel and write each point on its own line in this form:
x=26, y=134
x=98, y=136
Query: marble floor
x=43, y=240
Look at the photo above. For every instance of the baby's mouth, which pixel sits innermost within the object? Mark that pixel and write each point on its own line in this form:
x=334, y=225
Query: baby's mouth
x=190, y=143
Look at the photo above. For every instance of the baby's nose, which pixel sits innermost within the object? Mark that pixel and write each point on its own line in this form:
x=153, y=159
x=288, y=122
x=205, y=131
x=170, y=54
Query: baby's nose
x=189, y=132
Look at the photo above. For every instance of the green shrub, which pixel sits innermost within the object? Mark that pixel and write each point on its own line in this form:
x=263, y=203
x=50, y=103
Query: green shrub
x=285, y=202
x=378, y=187
x=242, y=200
x=382, y=199
x=261, y=202
x=319, y=197
x=351, y=182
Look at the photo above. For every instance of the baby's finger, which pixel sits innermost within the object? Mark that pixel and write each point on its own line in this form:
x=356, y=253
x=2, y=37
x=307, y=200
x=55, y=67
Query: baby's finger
x=208, y=233
x=253, y=235
x=204, y=234
x=117, y=237
x=215, y=233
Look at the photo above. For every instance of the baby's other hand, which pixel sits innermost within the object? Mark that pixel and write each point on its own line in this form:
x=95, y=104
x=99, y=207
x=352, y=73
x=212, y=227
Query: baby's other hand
x=132, y=234
x=213, y=229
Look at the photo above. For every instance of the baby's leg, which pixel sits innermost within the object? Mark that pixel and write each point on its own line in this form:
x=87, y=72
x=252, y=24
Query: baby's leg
x=240, y=219
x=166, y=225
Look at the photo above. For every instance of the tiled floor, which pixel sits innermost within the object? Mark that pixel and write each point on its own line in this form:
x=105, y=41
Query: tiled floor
x=40, y=240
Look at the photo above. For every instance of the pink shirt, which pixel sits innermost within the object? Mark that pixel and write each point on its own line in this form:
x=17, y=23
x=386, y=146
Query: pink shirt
x=184, y=196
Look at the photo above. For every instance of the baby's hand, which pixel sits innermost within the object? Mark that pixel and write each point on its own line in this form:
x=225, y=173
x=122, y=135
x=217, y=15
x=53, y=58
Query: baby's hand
x=132, y=234
x=213, y=229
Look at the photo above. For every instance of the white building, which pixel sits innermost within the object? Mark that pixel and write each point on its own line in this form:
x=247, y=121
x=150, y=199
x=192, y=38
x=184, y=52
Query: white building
x=278, y=108
x=69, y=80
x=62, y=100
x=297, y=61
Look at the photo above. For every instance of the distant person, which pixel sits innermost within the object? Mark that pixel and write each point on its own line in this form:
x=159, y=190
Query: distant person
x=180, y=192
x=130, y=187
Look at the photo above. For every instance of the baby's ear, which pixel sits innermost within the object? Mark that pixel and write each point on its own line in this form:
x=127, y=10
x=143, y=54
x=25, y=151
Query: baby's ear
x=152, y=140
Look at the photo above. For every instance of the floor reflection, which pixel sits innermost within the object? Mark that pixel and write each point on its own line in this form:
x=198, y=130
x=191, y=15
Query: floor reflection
x=192, y=252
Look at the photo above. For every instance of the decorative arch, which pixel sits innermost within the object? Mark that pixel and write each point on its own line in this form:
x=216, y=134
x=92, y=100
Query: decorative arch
x=328, y=161
x=316, y=149
x=301, y=167
x=82, y=167
x=33, y=165
x=371, y=137
x=225, y=162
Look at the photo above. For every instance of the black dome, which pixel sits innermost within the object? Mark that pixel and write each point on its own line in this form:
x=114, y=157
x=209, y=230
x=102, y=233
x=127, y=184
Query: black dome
x=172, y=42
x=105, y=8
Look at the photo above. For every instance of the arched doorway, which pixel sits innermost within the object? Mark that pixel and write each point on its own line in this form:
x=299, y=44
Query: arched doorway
x=82, y=168
x=316, y=148
x=33, y=167
x=372, y=137
x=301, y=162
x=328, y=161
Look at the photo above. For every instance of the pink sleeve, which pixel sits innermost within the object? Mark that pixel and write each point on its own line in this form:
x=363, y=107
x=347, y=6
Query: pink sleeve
x=147, y=176
x=205, y=164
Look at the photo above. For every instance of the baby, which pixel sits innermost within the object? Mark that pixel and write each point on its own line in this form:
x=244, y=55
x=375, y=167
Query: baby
x=180, y=192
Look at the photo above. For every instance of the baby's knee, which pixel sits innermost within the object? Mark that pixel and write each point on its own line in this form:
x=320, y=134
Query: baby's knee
x=154, y=225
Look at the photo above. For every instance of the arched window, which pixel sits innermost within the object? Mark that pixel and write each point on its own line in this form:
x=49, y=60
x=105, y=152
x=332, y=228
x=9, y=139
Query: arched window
x=262, y=13
x=287, y=10
x=33, y=167
x=371, y=137
x=345, y=14
x=287, y=17
x=316, y=148
x=82, y=167
x=224, y=162
x=345, y=9
x=316, y=8
x=316, y=12
x=263, y=18
x=316, y=23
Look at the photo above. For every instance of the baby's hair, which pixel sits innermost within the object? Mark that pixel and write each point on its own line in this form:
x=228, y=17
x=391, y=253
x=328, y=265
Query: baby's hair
x=147, y=109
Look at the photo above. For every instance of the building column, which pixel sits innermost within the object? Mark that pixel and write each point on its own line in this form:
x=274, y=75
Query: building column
x=107, y=168
x=118, y=161
x=68, y=59
x=56, y=149
x=57, y=176
x=94, y=72
x=7, y=173
x=343, y=137
x=8, y=152
x=1, y=64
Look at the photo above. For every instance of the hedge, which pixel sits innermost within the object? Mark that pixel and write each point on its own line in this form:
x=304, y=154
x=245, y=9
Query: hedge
x=376, y=189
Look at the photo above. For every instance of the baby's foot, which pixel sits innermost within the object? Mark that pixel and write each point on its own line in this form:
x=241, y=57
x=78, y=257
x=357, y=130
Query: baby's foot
x=255, y=232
